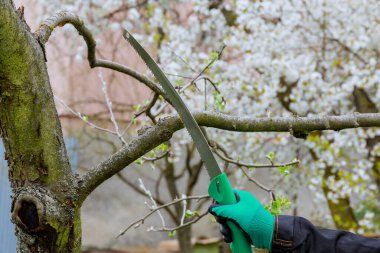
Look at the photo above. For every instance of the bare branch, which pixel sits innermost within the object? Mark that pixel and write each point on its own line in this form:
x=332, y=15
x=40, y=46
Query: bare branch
x=136, y=188
x=137, y=223
x=260, y=185
x=198, y=217
x=140, y=191
x=198, y=77
x=148, y=107
x=153, y=205
x=209, y=64
x=252, y=165
x=226, y=158
x=64, y=17
x=83, y=118
x=163, y=131
x=110, y=110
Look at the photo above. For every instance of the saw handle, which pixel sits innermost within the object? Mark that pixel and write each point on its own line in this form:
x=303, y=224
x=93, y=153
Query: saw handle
x=221, y=191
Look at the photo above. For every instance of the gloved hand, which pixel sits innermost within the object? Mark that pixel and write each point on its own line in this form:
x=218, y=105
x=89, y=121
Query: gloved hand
x=250, y=216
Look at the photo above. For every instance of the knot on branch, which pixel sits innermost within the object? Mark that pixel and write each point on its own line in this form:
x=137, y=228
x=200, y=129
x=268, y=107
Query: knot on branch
x=42, y=217
x=143, y=130
x=166, y=134
x=301, y=134
x=28, y=212
x=34, y=208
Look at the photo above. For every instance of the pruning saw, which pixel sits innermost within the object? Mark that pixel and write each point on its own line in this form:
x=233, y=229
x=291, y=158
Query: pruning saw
x=219, y=188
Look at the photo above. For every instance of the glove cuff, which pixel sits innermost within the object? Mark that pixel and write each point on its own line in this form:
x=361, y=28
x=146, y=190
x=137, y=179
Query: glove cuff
x=262, y=226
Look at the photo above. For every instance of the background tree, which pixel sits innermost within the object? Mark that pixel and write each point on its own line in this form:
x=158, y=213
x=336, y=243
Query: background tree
x=47, y=196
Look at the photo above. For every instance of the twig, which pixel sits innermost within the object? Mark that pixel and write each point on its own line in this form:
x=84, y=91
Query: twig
x=148, y=107
x=194, y=80
x=109, y=106
x=270, y=191
x=138, y=223
x=263, y=187
x=184, y=206
x=64, y=17
x=178, y=75
x=183, y=225
x=209, y=64
x=154, y=204
x=183, y=60
x=213, y=85
x=252, y=165
x=136, y=188
x=83, y=118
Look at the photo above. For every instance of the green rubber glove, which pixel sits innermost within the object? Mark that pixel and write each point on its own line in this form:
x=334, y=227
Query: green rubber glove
x=250, y=216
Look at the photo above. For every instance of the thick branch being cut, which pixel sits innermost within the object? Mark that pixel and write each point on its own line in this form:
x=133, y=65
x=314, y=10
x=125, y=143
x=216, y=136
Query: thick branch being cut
x=64, y=17
x=163, y=131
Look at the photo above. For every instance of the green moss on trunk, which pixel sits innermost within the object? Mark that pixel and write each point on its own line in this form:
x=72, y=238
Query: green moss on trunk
x=341, y=211
x=39, y=169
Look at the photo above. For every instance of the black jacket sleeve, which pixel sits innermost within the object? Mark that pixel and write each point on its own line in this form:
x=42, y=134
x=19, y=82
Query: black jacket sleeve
x=297, y=235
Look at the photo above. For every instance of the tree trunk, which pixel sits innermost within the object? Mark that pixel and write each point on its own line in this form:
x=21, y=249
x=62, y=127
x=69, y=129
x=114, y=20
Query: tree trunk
x=341, y=211
x=364, y=104
x=43, y=208
x=184, y=239
x=184, y=234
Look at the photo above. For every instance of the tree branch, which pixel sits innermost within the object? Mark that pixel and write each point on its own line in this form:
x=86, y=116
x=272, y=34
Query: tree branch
x=253, y=165
x=137, y=223
x=241, y=166
x=64, y=17
x=163, y=131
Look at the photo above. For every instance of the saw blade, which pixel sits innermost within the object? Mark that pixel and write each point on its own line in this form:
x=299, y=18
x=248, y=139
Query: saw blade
x=187, y=118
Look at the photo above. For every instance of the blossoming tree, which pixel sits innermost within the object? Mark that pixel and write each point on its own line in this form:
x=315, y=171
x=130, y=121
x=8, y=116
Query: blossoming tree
x=298, y=67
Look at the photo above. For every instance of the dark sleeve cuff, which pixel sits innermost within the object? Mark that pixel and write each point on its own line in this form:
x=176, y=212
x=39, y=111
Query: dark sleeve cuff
x=283, y=236
x=297, y=235
x=293, y=234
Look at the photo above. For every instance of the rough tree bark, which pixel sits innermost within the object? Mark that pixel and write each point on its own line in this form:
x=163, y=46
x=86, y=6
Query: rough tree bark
x=43, y=202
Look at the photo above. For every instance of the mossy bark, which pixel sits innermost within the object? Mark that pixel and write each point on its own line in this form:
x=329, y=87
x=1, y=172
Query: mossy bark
x=341, y=210
x=43, y=186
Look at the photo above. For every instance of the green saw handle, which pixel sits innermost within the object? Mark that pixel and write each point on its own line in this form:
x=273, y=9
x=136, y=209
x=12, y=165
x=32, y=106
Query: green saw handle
x=220, y=189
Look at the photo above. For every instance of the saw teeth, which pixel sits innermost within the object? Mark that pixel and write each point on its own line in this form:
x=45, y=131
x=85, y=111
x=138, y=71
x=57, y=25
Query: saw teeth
x=179, y=105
